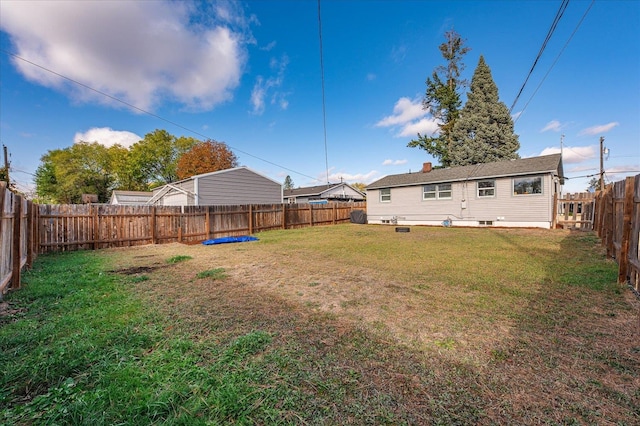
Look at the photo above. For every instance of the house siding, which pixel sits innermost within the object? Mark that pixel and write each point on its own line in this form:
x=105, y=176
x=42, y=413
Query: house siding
x=343, y=191
x=237, y=186
x=175, y=198
x=504, y=209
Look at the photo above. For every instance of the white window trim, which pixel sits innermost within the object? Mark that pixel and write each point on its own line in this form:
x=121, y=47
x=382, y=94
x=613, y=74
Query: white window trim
x=513, y=186
x=493, y=187
x=381, y=195
x=437, y=192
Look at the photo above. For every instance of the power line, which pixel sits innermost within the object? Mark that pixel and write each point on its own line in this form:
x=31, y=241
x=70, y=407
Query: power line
x=13, y=169
x=324, y=110
x=152, y=114
x=554, y=24
x=554, y=62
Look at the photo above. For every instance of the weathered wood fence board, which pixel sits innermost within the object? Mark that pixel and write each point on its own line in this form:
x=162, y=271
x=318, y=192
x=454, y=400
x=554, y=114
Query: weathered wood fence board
x=575, y=211
x=616, y=219
x=91, y=226
x=16, y=237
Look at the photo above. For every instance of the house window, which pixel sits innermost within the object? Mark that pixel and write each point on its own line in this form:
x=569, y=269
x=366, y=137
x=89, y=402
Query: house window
x=441, y=191
x=527, y=185
x=385, y=195
x=486, y=188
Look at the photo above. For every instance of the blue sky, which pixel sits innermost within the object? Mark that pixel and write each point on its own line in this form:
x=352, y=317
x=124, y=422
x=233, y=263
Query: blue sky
x=248, y=74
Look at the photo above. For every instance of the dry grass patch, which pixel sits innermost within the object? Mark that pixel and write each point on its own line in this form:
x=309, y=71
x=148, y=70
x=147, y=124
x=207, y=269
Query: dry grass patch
x=438, y=325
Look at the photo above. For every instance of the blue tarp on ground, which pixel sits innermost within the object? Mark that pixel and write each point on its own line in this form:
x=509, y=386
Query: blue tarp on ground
x=225, y=240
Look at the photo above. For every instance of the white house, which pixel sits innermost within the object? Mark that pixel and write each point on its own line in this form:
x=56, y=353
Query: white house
x=239, y=185
x=329, y=192
x=510, y=193
x=130, y=198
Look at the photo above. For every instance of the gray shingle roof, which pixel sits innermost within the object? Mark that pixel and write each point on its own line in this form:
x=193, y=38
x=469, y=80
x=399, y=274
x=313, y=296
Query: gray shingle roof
x=525, y=166
x=308, y=190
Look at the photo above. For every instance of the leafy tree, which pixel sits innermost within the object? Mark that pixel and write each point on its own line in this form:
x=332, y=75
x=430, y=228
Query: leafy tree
x=65, y=174
x=288, y=182
x=360, y=187
x=442, y=98
x=155, y=158
x=594, y=184
x=484, y=131
x=4, y=177
x=205, y=157
x=127, y=175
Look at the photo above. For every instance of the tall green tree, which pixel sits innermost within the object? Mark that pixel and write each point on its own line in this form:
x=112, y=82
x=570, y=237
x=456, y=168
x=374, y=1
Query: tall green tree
x=288, y=182
x=65, y=174
x=442, y=98
x=128, y=176
x=484, y=131
x=156, y=156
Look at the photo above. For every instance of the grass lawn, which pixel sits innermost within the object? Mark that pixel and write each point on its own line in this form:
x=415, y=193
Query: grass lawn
x=348, y=324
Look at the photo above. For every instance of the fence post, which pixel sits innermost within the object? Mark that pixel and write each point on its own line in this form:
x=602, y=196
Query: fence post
x=310, y=214
x=333, y=222
x=28, y=231
x=152, y=225
x=623, y=263
x=17, y=213
x=284, y=216
x=3, y=187
x=206, y=223
x=554, y=213
x=610, y=215
x=250, y=219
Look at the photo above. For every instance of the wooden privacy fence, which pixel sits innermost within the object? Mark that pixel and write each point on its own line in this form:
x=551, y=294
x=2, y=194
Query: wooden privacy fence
x=575, y=211
x=16, y=231
x=616, y=219
x=92, y=226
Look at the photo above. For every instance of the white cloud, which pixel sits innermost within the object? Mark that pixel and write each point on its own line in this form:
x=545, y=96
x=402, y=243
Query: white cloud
x=139, y=52
x=350, y=178
x=353, y=177
x=596, y=130
x=270, y=88
x=371, y=76
x=580, y=169
x=269, y=46
x=107, y=137
x=575, y=154
x=404, y=111
x=425, y=126
x=398, y=53
x=257, y=96
x=390, y=162
x=409, y=117
x=553, y=125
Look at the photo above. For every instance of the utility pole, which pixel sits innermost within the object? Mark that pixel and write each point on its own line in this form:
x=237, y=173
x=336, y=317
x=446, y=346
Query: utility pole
x=601, y=163
x=6, y=163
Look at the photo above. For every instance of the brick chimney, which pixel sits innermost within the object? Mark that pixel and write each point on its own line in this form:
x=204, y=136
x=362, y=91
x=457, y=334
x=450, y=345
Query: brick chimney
x=426, y=167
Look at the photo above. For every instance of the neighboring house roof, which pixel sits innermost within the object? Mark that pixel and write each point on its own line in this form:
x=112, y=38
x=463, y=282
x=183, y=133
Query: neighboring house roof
x=227, y=171
x=316, y=191
x=226, y=181
x=525, y=166
x=130, y=197
x=165, y=189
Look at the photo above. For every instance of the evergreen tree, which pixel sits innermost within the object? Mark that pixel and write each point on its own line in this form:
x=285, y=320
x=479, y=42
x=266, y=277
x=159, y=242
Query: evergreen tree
x=442, y=98
x=288, y=182
x=484, y=131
